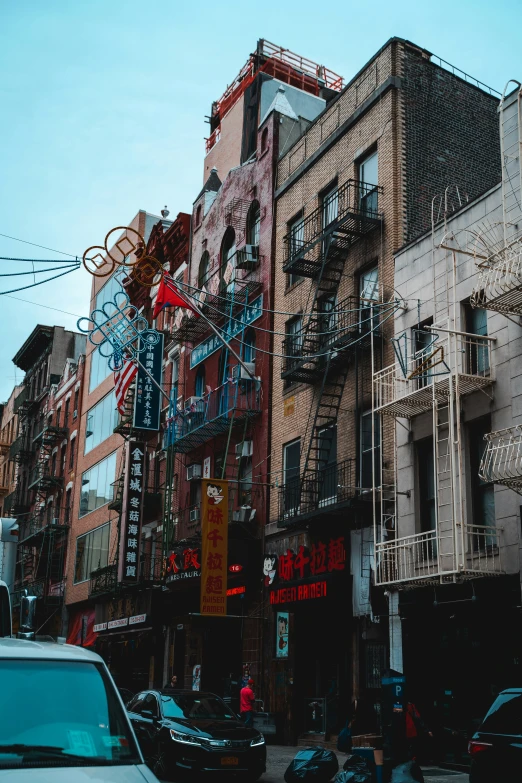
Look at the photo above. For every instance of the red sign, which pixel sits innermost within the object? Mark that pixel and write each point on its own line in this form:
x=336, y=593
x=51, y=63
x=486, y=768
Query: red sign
x=306, y=592
x=236, y=590
x=183, y=563
x=321, y=558
x=235, y=569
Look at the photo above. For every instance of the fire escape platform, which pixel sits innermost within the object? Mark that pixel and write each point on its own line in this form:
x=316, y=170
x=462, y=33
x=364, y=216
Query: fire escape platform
x=415, y=401
x=211, y=429
x=324, y=494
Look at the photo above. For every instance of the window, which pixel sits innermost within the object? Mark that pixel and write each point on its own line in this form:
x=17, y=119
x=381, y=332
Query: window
x=367, y=448
x=327, y=319
x=426, y=484
x=59, y=417
x=369, y=179
x=293, y=343
x=423, y=342
x=96, y=485
x=295, y=244
x=477, y=350
x=198, y=215
x=328, y=455
x=92, y=551
x=482, y=492
x=264, y=140
x=204, y=269
x=53, y=463
x=291, y=466
x=67, y=516
x=102, y=418
x=63, y=455
x=76, y=401
x=71, y=454
x=228, y=258
x=253, y=223
x=368, y=293
x=245, y=481
x=100, y=365
x=67, y=408
x=199, y=386
x=175, y=376
x=249, y=346
x=330, y=206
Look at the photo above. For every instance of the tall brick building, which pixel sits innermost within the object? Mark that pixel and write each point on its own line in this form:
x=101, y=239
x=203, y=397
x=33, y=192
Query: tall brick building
x=357, y=185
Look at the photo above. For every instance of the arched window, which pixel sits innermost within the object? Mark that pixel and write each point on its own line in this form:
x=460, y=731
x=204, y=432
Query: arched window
x=253, y=221
x=198, y=215
x=199, y=388
x=228, y=255
x=250, y=346
x=264, y=140
x=204, y=269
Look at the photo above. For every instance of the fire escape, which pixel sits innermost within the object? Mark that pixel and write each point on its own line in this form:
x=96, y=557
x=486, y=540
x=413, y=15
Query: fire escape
x=318, y=352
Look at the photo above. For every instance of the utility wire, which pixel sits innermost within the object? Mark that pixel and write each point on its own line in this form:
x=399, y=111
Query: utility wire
x=47, y=307
x=23, y=288
x=70, y=265
x=40, y=260
x=17, y=239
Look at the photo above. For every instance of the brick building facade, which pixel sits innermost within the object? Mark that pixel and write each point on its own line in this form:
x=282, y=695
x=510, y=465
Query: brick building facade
x=357, y=184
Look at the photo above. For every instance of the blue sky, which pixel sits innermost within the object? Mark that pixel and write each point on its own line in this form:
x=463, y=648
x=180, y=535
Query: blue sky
x=103, y=105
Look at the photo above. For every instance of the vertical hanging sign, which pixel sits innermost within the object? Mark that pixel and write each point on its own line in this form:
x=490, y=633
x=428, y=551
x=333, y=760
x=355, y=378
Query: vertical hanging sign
x=214, y=548
x=132, y=511
x=147, y=405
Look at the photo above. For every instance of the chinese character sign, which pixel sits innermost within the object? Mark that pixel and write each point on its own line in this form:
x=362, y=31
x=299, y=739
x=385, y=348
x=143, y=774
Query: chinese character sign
x=282, y=635
x=147, y=405
x=132, y=513
x=214, y=547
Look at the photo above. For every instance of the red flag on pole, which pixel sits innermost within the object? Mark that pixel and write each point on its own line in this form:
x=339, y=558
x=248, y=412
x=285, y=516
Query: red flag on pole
x=122, y=380
x=168, y=296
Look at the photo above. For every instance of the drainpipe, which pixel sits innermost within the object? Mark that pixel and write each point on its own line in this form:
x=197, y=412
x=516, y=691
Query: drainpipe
x=395, y=631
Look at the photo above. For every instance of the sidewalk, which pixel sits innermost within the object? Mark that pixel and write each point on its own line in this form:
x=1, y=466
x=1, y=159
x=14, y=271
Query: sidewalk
x=280, y=756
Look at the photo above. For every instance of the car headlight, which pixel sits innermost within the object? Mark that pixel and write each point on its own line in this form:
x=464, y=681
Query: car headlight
x=260, y=740
x=186, y=739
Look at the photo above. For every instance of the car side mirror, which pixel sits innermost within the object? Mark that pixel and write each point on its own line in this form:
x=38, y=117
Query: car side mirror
x=148, y=714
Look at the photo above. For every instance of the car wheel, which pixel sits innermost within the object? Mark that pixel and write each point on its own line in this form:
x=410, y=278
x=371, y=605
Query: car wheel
x=159, y=766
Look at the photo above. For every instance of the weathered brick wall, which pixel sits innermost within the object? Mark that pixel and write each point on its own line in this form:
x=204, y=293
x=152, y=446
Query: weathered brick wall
x=452, y=137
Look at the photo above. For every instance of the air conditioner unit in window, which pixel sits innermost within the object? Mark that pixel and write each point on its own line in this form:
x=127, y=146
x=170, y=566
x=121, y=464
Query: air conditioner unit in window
x=55, y=521
x=244, y=449
x=247, y=257
x=194, y=514
x=75, y=414
x=193, y=472
x=244, y=514
x=194, y=403
x=239, y=372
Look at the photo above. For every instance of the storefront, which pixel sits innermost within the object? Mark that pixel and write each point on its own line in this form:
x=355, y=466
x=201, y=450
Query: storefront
x=205, y=652
x=308, y=647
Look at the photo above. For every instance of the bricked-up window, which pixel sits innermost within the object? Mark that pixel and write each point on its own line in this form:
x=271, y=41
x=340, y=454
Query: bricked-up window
x=369, y=177
x=92, y=552
x=97, y=489
x=295, y=244
x=291, y=467
x=426, y=484
x=253, y=223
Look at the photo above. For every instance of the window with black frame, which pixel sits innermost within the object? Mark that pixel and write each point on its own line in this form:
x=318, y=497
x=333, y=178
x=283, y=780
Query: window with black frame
x=426, y=485
x=482, y=492
x=293, y=343
x=369, y=180
x=370, y=443
x=368, y=294
x=295, y=244
x=291, y=467
x=327, y=478
x=477, y=350
x=424, y=343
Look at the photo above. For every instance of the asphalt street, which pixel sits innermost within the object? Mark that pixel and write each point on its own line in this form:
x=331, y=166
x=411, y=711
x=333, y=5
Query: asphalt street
x=279, y=757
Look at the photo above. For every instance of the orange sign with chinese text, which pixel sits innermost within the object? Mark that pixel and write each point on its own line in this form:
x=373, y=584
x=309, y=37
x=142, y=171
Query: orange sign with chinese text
x=214, y=547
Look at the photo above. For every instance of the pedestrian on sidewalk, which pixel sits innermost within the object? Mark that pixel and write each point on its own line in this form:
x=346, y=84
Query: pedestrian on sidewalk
x=173, y=682
x=246, y=704
x=416, y=729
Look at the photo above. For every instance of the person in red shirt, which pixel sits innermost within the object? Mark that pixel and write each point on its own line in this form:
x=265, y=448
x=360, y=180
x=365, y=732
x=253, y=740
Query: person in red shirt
x=246, y=704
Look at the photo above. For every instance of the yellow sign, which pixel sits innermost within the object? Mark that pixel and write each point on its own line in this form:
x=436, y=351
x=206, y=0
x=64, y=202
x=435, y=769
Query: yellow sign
x=289, y=406
x=214, y=547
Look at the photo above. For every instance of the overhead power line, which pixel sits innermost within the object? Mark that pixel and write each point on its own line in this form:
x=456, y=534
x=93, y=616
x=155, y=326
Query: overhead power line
x=34, y=244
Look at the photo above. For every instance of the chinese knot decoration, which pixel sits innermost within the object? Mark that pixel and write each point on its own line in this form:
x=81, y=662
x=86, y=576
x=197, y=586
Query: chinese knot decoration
x=118, y=330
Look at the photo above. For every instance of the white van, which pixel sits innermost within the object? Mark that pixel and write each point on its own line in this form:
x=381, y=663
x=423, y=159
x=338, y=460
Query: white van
x=62, y=719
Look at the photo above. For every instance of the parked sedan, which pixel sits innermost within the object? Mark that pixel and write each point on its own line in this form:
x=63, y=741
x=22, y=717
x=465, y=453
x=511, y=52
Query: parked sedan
x=496, y=748
x=193, y=731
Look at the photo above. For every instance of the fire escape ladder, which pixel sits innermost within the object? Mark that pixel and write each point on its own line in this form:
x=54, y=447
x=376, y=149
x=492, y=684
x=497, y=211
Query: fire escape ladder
x=444, y=543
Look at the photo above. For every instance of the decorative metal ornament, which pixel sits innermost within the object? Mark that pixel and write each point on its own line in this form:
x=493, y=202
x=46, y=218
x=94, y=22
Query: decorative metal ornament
x=103, y=263
x=148, y=273
x=117, y=329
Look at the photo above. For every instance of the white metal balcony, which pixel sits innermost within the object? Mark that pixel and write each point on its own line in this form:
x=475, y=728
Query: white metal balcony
x=499, y=284
x=409, y=386
x=431, y=558
x=502, y=459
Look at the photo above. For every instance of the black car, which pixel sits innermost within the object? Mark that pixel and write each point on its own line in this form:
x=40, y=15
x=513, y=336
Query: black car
x=126, y=695
x=192, y=731
x=496, y=748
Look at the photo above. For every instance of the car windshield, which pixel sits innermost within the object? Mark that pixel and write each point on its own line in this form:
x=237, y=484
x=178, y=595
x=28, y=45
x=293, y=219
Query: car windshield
x=197, y=707
x=61, y=713
x=505, y=716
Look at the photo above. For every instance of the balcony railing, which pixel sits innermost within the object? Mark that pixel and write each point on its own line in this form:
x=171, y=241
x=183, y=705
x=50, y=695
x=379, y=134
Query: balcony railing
x=50, y=435
x=324, y=492
x=16, y=502
x=351, y=212
x=52, y=518
x=104, y=581
x=51, y=593
x=407, y=387
x=502, y=459
x=202, y=418
x=23, y=400
x=41, y=478
x=499, y=284
x=347, y=326
x=224, y=294
x=431, y=558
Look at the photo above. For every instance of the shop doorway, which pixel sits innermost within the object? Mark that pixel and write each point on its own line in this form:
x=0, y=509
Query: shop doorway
x=221, y=654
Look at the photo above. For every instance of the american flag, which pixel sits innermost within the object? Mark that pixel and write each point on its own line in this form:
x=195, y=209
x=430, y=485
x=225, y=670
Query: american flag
x=122, y=380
